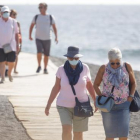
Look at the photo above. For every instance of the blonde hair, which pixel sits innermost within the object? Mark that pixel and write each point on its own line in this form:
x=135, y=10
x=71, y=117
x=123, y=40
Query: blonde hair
x=13, y=11
x=114, y=54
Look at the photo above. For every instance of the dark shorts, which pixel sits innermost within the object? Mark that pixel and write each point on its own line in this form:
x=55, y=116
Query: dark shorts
x=43, y=46
x=9, y=57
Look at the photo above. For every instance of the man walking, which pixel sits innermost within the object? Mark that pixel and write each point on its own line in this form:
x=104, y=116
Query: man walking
x=43, y=23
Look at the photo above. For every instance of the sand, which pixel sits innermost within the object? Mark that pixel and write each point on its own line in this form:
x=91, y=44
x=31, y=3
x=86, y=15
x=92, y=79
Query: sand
x=10, y=127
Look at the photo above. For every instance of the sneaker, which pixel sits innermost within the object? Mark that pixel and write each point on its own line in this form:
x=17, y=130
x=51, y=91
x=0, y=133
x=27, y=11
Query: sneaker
x=45, y=71
x=2, y=81
x=38, y=69
x=6, y=73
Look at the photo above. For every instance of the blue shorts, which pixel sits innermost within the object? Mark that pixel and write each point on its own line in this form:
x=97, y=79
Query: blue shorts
x=116, y=122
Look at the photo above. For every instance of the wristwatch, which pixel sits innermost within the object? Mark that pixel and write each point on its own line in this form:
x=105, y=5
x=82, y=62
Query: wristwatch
x=131, y=96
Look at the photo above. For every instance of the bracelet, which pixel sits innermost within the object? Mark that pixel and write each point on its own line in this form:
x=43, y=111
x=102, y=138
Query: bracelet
x=131, y=95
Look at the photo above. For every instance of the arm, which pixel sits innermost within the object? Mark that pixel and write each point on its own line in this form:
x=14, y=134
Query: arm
x=19, y=27
x=54, y=92
x=91, y=92
x=55, y=32
x=19, y=31
x=98, y=80
x=16, y=32
x=132, y=81
x=30, y=31
x=17, y=42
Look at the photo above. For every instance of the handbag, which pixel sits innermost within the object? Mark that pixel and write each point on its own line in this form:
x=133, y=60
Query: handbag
x=7, y=47
x=82, y=109
x=104, y=103
x=135, y=104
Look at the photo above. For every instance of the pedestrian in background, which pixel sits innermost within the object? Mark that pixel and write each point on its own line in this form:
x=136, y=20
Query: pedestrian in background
x=13, y=14
x=43, y=22
x=8, y=39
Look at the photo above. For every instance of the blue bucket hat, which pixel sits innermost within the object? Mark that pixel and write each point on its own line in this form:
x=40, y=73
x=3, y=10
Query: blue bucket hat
x=73, y=52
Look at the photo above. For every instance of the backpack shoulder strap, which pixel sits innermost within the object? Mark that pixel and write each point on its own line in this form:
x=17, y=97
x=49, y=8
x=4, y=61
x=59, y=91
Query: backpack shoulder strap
x=36, y=16
x=51, y=19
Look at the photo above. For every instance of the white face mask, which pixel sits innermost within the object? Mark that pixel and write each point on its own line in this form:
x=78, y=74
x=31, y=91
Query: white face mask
x=6, y=15
x=73, y=62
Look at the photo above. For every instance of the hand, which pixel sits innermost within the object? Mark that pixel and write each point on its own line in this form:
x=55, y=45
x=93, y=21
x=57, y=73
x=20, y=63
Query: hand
x=96, y=109
x=47, y=111
x=30, y=38
x=18, y=49
x=56, y=40
x=130, y=99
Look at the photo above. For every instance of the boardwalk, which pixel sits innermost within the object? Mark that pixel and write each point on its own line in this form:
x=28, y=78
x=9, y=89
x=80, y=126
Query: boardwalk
x=29, y=93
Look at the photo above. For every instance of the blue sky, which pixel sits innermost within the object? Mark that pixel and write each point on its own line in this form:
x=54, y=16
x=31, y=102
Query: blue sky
x=115, y=2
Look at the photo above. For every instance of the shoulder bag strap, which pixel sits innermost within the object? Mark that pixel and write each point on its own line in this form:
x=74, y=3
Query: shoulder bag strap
x=73, y=89
x=129, y=77
x=13, y=31
x=99, y=98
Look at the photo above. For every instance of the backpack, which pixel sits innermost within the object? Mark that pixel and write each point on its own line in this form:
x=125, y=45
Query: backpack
x=50, y=19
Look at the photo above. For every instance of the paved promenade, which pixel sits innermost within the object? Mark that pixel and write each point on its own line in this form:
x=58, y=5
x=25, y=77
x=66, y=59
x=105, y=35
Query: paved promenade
x=29, y=94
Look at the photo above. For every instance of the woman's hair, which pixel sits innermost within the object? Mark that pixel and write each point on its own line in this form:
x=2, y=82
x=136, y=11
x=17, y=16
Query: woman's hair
x=114, y=54
x=13, y=11
x=44, y=4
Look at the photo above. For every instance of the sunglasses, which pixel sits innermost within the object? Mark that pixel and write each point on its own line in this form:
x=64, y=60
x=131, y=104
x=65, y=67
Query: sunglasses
x=14, y=14
x=118, y=63
x=40, y=7
x=74, y=58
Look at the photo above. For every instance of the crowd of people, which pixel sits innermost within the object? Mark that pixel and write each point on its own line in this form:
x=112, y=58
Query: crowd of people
x=73, y=79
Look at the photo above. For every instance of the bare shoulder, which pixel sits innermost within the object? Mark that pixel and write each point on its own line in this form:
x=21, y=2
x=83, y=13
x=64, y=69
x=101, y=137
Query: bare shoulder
x=102, y=69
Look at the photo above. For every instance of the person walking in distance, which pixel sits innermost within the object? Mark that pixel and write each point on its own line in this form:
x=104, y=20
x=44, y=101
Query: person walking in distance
x=43, y=23
x=8, y=42
x=13, y=14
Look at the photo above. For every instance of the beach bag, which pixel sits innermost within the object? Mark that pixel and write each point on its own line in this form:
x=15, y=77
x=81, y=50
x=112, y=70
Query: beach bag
x=135, y=104
x=82, y=109
x=7, y=47
x=104, y=103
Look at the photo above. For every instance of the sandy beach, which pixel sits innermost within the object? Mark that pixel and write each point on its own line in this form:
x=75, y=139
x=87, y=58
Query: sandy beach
x=10, y=127
x=135, y=117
